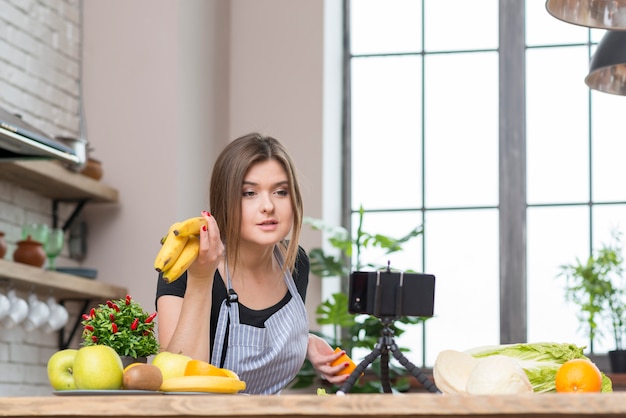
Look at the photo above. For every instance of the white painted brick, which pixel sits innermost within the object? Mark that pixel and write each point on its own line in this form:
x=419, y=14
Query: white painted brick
x=14, y=16
x=24, y=353
x=11, y=372
x=14, y=390
x=4, y=352
x=44, y=342
x=70, y=11
x=39, y=78
x=11, y=55
x=46, y=352
x=12, y=335
x=39, y=390
x=35, y=374
x=10, y=94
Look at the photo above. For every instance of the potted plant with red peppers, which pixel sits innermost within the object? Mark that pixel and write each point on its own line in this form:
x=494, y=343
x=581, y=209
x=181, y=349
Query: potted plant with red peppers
x=124, y=326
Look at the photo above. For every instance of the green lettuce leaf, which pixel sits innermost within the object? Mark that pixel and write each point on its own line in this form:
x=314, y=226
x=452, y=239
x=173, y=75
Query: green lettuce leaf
x=540, y=361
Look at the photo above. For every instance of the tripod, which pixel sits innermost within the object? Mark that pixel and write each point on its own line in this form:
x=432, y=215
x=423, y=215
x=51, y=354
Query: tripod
x=385, y=344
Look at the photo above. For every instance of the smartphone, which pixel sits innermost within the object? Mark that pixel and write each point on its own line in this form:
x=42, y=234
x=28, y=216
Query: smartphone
x=391, y=294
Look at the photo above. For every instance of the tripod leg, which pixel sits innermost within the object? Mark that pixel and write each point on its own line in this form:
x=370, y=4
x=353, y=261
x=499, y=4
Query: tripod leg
x=384, y=370
x=356, y=373
x=414, y=370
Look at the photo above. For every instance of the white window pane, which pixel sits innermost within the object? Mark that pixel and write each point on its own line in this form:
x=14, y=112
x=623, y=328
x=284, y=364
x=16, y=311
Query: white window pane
x=606, y=219
x=609, y=147
x=556, y=236
x=557, y=125
x=460, y=25
x=395, y=225
x=596, y=35
x=385, y=26
x=544, y=29
x=386, y=132
x=462, y=250
x=461, y=150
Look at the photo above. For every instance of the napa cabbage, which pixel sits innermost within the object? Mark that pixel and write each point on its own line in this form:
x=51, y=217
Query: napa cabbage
x=540, y=361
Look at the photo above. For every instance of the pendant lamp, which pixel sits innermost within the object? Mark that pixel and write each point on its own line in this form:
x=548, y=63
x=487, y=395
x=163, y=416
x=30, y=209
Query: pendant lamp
x=600, y=14
x=607, y=70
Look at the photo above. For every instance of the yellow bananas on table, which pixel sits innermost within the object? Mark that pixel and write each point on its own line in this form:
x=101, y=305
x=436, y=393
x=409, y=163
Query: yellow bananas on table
x=213, y=384
x=179, y=248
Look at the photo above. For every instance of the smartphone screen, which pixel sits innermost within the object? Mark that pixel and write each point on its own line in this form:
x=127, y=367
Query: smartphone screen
x=392, y=294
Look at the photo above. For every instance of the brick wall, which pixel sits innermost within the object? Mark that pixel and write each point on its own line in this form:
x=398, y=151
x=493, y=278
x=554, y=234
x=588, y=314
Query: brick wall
x=39, y=79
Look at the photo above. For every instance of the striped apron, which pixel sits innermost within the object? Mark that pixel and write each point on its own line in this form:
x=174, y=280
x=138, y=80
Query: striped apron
x=267, y=359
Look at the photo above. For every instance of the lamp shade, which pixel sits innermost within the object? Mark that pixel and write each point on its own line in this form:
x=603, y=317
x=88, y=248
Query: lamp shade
x=601, y=14
x=607, y=70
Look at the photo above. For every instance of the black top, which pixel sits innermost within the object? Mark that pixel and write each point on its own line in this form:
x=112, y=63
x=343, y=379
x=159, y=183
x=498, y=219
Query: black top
x=246, y=315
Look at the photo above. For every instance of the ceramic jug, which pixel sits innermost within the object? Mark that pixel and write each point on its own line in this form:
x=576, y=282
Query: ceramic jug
x=3, y=245
x=30, y=252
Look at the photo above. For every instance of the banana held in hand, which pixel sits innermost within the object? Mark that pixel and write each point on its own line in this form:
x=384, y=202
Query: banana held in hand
x=190, y=226
x=215, y=384
x=170, y=249
x=184, y=260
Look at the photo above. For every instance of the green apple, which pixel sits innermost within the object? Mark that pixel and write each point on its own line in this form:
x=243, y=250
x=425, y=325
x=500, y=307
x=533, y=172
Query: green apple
x=98, y=367
x=171, y=364
x=60, y=369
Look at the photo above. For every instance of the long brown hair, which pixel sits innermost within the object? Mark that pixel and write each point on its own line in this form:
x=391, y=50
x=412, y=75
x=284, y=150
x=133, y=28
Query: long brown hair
x=225, y=196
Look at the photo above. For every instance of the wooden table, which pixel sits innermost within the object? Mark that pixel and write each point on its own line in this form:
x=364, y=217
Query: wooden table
x=351, y=405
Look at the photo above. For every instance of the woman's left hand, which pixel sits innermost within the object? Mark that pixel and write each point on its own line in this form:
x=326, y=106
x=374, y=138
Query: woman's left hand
x=321, y=355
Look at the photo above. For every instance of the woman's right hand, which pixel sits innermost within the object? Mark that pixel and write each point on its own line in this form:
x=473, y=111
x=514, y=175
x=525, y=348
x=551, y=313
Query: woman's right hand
x=210, y=253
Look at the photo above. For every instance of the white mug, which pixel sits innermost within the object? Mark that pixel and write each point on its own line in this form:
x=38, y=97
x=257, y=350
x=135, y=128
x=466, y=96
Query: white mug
x=38, y=313
x=5, y=306
x=58, y=316
x=19, y=310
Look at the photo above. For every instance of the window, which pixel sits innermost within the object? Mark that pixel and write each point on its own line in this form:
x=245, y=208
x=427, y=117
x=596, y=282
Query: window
x=426, y=102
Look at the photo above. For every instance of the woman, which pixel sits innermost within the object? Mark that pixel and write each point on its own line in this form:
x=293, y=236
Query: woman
x=240, y=305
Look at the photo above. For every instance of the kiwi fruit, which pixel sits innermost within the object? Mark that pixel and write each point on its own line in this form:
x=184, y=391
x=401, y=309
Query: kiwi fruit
x=142, y=377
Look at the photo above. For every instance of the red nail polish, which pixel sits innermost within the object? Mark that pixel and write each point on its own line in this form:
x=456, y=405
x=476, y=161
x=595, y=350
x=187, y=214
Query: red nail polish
x=204, y=228
x=208, y=214
x=346, y=365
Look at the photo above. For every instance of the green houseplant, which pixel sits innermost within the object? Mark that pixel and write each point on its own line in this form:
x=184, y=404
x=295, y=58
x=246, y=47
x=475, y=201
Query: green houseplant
x=349, y=330
x=124, y=326
x=597, y=287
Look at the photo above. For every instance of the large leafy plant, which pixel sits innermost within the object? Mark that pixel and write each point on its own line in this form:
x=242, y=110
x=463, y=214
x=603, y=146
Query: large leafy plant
x=122, y=325
x=597, y=286
x=350, y=330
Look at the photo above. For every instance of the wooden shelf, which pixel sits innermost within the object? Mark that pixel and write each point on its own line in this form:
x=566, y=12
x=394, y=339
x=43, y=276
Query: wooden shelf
x=64, y=286
x=51, y=179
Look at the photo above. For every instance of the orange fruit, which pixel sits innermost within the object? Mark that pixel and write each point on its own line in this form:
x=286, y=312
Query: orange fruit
x=578, y=375
x=202, y=368
x=344, y=359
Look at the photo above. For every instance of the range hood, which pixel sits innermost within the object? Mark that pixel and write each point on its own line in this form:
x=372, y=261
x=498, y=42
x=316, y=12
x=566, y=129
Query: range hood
x=21, y=141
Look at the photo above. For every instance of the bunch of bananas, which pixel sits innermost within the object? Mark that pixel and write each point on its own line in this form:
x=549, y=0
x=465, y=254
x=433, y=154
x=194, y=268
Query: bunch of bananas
x=215, y=384
x=179, y=248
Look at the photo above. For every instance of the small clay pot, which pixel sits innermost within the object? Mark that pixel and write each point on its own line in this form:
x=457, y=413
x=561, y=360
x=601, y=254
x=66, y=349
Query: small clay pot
x=30, y=252
x=93, y=169
x=3, y=245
